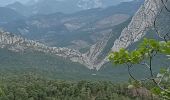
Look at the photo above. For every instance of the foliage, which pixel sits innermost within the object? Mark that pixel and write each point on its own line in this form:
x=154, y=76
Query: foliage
x=50, y=66
x=31, y=87
x=144, y=55
x=147, y=49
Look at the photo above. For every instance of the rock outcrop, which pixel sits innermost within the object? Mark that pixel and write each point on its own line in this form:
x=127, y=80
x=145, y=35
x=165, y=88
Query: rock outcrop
x=19, y=44
x=141, y=22
x=95, y=51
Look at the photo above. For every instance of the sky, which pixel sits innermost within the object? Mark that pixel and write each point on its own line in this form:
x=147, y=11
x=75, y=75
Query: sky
x=5, y=2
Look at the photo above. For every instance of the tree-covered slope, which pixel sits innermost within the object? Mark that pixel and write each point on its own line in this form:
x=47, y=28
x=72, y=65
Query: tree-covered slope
x=46, y=65
x=33, y=87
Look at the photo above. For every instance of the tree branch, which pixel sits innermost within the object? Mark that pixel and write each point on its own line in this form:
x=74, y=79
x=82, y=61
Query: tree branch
x=165, y=6
x=129, y=72
x=168, y=10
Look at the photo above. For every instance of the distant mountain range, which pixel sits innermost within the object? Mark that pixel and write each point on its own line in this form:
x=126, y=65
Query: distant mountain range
x=65, y=6
x=78, y=30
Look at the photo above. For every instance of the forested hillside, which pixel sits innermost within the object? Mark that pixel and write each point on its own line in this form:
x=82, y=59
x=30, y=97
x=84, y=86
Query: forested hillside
x=33, y=87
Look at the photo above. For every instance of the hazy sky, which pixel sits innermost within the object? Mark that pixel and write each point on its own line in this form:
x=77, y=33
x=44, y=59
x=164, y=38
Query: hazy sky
x=5, y=2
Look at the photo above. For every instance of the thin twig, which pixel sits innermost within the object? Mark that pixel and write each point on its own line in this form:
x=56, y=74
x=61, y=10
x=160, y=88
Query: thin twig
x=165, y=6
x=146, y=65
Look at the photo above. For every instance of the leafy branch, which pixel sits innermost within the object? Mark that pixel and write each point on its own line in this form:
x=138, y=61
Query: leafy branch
x=147, y=50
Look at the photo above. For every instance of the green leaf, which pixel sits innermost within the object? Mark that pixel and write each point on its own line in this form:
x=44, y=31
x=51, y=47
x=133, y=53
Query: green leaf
x=156, y=90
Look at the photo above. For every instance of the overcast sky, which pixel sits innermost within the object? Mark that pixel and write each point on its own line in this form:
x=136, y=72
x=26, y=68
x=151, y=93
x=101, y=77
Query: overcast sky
x=5, y=2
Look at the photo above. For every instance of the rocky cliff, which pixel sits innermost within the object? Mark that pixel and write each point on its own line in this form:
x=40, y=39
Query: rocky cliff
x=141, y=22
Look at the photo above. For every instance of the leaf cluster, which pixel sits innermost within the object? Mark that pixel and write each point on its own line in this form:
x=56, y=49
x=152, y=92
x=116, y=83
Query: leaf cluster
x=148, y=48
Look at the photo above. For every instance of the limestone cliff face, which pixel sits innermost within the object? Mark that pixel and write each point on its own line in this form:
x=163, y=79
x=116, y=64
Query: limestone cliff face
x=141, y=22
x=95, y=51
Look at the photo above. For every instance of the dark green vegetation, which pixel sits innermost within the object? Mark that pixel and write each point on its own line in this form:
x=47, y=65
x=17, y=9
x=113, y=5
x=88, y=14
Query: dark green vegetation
x=37, y=76
x=32, y=87
x=53, y=67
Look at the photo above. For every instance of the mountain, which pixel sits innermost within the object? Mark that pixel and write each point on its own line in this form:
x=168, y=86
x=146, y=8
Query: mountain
x=91, y=32
x=22, y=55
x=20, y=8
x=95, y=58
x=8, y=15
x=18, y=44
x=53, y=6
x=79, y=30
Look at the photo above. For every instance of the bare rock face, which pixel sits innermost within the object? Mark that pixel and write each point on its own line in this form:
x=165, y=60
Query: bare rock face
x=93, y=54
x=141, y=22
